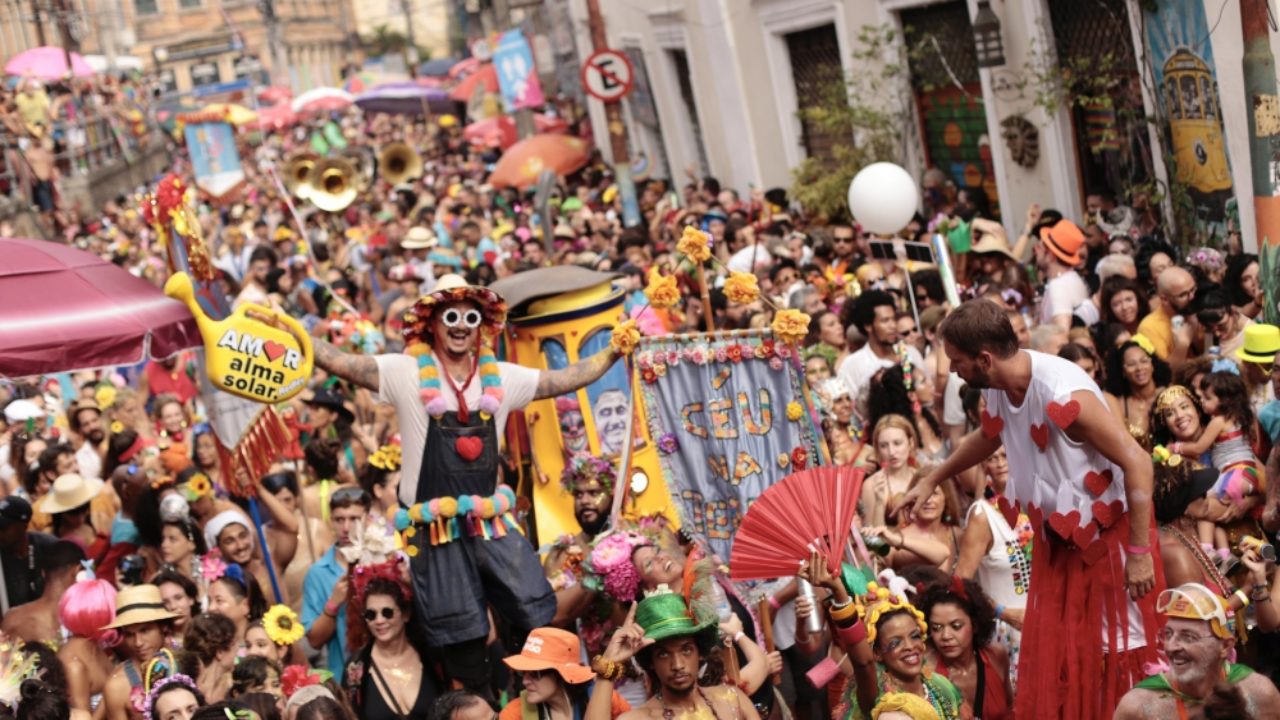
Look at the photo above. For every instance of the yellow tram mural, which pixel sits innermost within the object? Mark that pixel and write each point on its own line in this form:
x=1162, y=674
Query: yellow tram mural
x=1195, y=123
x=558, y=316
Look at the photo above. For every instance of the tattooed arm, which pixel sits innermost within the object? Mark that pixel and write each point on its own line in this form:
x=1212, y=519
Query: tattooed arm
x=582, y=373
x=359, y=369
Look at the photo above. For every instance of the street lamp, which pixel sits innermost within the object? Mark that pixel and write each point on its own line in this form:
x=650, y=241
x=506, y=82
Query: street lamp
x=986, y=37
x=160, y=54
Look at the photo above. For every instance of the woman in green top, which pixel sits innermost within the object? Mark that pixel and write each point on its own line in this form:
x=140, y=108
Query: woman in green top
x=885, y=639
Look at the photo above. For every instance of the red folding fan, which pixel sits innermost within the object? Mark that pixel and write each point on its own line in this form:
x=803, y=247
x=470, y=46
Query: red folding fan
x=806, y=511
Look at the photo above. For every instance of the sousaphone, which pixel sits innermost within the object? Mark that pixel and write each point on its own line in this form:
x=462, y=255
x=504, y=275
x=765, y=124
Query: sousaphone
x=366, y=162
x=297, y=171
x=332, y=184
x=397, y=163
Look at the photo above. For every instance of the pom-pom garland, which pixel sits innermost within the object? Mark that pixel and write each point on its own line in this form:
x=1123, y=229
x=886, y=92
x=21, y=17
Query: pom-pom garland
x=447, y=517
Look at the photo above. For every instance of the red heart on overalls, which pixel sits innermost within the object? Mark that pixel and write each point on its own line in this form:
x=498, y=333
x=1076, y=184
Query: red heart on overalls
x=469, y=447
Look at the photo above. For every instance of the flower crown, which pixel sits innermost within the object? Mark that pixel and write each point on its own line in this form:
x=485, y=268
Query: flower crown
x=609, y=565
x=362, y=575
x=584, y=467
x=148, y=712
x=386, y=458
x=881, y=602
x=296, y=677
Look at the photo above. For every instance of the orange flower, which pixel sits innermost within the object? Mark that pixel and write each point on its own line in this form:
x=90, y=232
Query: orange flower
x=742, y=288
x=662, y=290
x=790, y=326
x=625, y=337
x=695, y=244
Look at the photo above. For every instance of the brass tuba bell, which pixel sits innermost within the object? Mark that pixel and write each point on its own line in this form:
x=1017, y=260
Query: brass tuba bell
x=397, y=162
x=366, y=162
x=333, y=184
x=296, y=173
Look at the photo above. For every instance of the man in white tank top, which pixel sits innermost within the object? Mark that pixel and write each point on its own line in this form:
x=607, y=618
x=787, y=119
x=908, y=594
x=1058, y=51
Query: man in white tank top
x=1086, y=484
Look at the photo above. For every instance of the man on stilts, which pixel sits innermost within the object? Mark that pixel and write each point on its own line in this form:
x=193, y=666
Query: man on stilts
x=452, y=398
x=1086, y=485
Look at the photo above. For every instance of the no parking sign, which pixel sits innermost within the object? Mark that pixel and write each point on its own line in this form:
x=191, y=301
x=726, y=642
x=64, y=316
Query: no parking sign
x=607, y=75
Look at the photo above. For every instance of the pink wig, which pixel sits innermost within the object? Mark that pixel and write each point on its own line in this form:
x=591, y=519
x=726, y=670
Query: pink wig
x=87, y=607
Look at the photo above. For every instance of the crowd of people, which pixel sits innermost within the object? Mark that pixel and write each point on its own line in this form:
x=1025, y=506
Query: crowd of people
x=1076, y=454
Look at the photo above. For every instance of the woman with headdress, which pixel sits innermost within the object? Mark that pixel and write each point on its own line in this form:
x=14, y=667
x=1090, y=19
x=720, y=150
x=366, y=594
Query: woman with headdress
x=885, y=636
x=390, y=675
x=174, y=698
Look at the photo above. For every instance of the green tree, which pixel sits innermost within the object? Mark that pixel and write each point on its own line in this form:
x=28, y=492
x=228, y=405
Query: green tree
x=870, y=109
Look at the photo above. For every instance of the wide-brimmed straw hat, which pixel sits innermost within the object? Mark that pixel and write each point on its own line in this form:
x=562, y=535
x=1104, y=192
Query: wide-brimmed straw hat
x=69, y=492
x=993, y=243
x=419, y=238
x=552, y=649
x=139, y=604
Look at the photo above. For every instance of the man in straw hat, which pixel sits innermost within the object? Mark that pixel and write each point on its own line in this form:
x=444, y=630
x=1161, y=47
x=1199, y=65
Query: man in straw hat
x=453, y=398
x=1199, y=644
x=670, y=645
x=143, y=624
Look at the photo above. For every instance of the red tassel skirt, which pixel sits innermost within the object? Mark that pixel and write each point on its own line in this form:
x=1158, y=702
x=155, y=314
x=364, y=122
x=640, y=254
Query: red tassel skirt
x=1068, y=667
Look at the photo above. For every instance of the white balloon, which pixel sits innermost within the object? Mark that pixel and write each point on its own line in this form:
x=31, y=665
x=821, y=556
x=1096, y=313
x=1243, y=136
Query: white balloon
x=883, y=198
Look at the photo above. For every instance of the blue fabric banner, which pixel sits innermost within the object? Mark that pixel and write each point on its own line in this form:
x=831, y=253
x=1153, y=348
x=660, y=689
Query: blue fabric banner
x=729, y=417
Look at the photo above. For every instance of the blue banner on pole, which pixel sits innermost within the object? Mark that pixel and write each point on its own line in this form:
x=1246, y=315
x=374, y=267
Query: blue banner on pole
x=517, y=75
x=214, y=157
x=720, y=410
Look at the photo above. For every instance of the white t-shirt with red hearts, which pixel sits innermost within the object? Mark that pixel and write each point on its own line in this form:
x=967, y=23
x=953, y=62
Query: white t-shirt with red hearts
x=1065, y=475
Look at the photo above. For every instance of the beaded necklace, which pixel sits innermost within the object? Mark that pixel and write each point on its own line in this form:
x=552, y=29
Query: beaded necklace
x=1205, y=564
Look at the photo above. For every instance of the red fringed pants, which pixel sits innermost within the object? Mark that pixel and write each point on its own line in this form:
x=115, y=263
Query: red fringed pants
x=1068, y=667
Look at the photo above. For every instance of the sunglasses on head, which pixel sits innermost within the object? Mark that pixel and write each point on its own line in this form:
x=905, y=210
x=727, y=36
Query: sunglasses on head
x=387, y=613
x=453, y=318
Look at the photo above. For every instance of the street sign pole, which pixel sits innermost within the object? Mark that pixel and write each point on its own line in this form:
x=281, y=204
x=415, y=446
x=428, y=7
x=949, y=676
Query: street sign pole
x=617, y=129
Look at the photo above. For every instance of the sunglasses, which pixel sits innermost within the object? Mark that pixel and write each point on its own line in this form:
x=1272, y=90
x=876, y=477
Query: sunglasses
x=387, y=613
x=453, y=318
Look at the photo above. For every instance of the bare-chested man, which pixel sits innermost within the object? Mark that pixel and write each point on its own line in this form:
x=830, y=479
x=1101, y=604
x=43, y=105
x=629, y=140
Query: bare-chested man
x=1198, y=641
x=37, y=621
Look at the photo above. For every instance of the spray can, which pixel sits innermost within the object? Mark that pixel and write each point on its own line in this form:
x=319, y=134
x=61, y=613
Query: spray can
x=813, y=623
x=1265, y=550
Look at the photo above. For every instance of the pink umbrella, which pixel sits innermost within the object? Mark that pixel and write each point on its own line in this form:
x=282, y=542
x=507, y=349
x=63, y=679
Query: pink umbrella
x=47, y=63
x=275, y=94
x=64, y=309
x=275, y=117
x=324, y=99
x=485, y=75
x=501, y=131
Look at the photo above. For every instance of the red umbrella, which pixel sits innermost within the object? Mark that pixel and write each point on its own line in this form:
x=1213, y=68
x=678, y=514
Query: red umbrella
x=485, y=75
x=520, y=165
x=501, y=131
x=64, y=309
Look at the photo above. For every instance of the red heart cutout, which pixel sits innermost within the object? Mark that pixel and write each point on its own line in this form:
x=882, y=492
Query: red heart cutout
x=1107, y=513
x=1036, y=516
x=1009, y=510
x=1095, y=552
x=273, y=349
x=992, y=425
x=1097, y=482
x=469, y=447
x=1040, y=436
x=1065, y=524
x=1082, y=535
x=1063, y=414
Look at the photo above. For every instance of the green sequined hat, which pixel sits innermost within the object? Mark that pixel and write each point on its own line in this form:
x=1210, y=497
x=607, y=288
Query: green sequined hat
x=665, y=616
